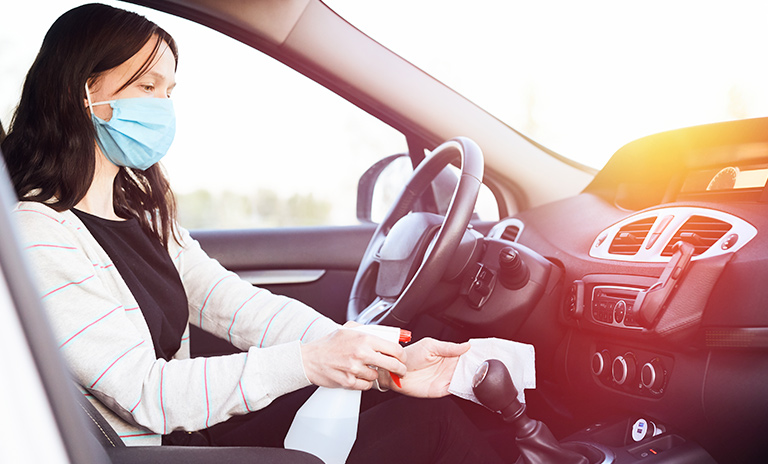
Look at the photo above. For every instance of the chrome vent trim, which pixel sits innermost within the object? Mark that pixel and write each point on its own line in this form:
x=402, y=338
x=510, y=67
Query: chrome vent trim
x=713, y=232
x=509, y=229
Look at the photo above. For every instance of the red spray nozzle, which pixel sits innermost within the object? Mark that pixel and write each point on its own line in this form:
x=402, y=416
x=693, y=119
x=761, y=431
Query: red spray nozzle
x=405, y=337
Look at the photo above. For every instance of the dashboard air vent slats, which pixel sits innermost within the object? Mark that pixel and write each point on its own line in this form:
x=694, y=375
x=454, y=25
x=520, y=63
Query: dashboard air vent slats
x=649, y=236
x=510, y=233
x=630, y=238
x=700, y=231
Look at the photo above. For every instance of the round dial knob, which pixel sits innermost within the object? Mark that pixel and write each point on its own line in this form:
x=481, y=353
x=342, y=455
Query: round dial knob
x=513, y=272
x=600, y=360
x=623, y=369
x=619, y=310
x=652, y=375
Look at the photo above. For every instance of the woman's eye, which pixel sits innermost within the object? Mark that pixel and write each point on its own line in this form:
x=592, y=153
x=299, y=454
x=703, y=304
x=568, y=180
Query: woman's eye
x=148, y=87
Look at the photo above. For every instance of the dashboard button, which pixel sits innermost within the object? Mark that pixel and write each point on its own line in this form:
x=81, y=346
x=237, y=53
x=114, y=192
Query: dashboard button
x=652, y=375
x=598, y=364
x=729, y=241
x=619, y=310
x=600, y=360
x=623, y=369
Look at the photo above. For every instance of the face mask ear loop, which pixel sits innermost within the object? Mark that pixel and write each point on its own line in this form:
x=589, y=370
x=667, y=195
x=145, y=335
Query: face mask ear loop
x=88, y=97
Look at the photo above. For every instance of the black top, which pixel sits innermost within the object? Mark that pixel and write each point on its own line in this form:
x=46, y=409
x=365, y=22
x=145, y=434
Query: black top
x=147, y=269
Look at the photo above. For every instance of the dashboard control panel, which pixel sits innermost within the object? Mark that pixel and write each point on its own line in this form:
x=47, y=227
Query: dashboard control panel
x=614, y=306
x=634, y=371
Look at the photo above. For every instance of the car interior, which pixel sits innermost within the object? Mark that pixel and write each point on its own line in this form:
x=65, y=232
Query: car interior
x=641, y=285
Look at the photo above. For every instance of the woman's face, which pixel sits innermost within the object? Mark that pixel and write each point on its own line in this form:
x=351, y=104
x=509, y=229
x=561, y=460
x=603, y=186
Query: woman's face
x=157, y=82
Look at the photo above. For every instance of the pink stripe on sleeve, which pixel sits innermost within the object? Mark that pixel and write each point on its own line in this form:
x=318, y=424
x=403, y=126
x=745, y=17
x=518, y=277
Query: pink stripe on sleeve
x=40, y=213
x=65, y=286
x=263, y=337
x=50, y=245
x=202, y=308
x=207, y=403
x=234, y=316
x=87, y=326
x=136, y=406
x=137, y=435
x=115, y=362
x=307, y=329
x=242, y=395
x=162, y=405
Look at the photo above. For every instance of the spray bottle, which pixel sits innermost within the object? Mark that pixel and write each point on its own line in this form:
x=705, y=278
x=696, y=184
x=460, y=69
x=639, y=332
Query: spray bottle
x=326, y=425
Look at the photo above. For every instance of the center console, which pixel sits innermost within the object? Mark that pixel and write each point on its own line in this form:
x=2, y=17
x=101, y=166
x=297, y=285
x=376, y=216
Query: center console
x=635, y=440
x=620, y=357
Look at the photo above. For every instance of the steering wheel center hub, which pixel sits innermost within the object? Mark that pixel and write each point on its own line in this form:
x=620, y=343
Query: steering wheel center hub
x=403, y=251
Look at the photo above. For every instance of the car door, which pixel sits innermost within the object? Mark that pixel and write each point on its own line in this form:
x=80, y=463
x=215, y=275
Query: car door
x=313, y=264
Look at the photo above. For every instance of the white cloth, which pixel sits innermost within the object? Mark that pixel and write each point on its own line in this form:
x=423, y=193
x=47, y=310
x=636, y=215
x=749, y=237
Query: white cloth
x=519, y=358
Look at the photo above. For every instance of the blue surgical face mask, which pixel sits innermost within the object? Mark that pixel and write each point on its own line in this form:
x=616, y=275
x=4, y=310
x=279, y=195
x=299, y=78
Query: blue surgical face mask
x=139, y=133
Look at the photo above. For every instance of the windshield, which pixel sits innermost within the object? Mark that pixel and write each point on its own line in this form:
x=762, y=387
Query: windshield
x=584, y=78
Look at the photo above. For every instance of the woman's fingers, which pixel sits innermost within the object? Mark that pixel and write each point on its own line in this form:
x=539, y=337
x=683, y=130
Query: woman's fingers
x=346, y=358
x=447, y=349
x=375, y=351
x=390, y=364
x=377, y=344
x=361, y=384
x=366, y=373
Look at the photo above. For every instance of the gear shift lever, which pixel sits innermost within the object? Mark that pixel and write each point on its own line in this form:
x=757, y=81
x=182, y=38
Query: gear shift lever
x=493, y=387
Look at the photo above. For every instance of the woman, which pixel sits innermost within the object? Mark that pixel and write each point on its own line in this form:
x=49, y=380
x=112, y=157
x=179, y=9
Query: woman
x=121, y=280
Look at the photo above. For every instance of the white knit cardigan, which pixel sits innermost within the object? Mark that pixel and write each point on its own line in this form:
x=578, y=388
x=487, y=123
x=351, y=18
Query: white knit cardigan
x=106, y=343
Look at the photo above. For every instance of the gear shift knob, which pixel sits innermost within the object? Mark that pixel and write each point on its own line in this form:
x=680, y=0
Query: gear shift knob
x=494, y=388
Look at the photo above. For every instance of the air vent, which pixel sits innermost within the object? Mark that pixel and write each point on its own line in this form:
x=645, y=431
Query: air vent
x=648, y=237
x=630, y=238
x=507, y=229
x=700, y=231
x=510, y=233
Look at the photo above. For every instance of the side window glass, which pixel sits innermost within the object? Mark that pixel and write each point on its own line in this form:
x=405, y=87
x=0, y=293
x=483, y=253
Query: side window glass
x=487, y=207
x=388, y=186
x=259, y=145
x=393, y=178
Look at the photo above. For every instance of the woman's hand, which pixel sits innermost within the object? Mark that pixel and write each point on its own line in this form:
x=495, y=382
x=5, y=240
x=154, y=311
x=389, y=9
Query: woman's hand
x=430, y=364
x=342, y=359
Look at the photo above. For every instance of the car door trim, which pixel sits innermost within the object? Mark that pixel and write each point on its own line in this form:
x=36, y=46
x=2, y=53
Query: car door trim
x=281, y=276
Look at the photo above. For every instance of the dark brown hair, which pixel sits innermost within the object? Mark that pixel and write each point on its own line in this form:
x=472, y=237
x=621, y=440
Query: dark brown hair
x=49, y=149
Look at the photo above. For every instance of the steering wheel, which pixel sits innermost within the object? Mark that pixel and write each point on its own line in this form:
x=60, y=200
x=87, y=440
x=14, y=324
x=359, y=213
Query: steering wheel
x=409, y=253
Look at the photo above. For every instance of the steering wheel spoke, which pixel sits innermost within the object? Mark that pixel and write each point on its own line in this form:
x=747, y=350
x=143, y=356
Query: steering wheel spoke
x=376, y=312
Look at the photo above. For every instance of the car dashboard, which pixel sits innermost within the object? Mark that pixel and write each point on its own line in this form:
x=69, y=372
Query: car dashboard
x=655, y=306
